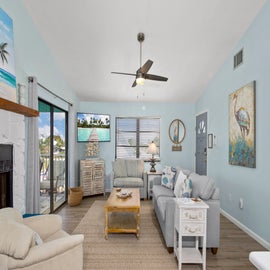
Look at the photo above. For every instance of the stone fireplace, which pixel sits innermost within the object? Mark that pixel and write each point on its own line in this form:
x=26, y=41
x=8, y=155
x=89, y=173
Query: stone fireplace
x=12, y=133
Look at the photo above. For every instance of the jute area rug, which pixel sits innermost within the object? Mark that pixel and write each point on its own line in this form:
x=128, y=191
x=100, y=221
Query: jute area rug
x=125, y=251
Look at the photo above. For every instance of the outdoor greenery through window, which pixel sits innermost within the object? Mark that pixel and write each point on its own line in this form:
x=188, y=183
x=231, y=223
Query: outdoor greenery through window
x=134, y=134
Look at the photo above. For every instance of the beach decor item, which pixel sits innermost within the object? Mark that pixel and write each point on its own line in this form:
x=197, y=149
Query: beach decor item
x=92, y=147
x=242, y=150
x=177, y=133
x=87, y=122
x=7, y=63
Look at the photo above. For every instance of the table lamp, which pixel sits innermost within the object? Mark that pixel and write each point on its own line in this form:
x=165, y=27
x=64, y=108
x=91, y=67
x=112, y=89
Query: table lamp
x=152, y=149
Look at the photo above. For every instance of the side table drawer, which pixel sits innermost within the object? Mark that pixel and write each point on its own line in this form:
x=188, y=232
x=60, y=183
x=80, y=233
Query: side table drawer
x=193, y=229
x=193, y=214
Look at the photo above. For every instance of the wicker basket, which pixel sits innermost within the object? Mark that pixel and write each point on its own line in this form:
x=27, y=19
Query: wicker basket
x=75, y=195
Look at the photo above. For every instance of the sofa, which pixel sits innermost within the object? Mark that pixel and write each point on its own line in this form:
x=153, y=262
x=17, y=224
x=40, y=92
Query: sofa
x=203, y=187
x=37, y=242
x=129, y=173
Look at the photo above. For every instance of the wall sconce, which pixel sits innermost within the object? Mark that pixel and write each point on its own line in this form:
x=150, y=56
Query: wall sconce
x=210, y=140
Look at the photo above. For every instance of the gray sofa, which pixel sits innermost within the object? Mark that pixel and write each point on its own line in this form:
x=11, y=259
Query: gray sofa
x=164, y=207
x=129, y=173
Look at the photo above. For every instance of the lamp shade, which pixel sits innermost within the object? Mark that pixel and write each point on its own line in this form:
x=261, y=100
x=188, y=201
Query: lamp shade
x=152, y=149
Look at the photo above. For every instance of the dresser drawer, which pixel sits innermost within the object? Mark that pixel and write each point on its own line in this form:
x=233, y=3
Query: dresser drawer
x=193, y=229
x=193, y=214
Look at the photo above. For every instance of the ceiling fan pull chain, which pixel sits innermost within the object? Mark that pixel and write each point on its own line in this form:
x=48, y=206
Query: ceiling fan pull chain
x=140, y=54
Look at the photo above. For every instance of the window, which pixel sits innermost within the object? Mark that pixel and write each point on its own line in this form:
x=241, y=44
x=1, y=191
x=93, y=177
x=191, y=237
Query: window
x=133, y=135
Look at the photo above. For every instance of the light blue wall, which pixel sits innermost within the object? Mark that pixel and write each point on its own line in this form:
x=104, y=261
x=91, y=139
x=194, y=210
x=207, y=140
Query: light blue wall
x=236, y=182
x=33, y=58
x=166, y=111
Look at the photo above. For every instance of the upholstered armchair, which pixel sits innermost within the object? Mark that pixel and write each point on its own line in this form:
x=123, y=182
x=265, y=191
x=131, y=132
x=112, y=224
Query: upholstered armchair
x=37, y=242
x=129, y=173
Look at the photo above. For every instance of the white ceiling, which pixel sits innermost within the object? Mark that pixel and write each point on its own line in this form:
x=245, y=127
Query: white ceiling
x=188, y=40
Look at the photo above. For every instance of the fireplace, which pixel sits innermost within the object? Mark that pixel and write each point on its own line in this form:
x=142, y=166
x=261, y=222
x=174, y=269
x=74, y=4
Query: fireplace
x=6, y=175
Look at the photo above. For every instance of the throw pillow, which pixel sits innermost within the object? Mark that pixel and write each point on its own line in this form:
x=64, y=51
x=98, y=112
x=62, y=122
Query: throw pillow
x=15, y=239
x=178, y=185
x=167, y=179
x=38, y=240
x=119, y=168
x=186, y=188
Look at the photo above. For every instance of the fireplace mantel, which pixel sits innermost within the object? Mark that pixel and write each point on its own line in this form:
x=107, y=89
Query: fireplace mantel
x=17, y=108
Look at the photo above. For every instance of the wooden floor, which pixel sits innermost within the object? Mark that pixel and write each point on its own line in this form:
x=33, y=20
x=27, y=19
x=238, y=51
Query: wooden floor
x=232, y=254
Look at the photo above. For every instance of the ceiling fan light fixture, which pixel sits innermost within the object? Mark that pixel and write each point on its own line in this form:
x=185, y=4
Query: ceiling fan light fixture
x=140, y=80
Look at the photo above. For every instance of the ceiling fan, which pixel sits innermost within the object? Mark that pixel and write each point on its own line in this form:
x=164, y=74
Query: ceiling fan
x=141, y=73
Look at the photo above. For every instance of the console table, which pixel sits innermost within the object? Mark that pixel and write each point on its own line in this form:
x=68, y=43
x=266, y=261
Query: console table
x=92, y=176
x=190, y=220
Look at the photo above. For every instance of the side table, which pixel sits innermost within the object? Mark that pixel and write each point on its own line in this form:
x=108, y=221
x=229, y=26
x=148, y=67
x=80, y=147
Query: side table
x=190, y=220
x=152, y=177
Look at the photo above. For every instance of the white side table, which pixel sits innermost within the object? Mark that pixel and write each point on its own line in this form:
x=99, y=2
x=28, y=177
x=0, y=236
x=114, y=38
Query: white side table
x=190, y=220
x=151, y=176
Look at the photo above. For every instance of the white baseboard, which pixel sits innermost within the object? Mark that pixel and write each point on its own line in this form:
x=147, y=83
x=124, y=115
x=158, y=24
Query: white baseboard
x=246, y=230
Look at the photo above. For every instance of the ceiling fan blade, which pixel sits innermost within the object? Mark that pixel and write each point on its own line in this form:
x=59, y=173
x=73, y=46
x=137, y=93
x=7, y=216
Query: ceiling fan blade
x=123, y=73
x=145, y=68
x=134, y=83
x=155, y=77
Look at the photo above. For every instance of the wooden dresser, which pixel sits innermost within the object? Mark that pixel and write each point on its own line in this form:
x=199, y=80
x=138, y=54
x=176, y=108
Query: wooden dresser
x=92, y=176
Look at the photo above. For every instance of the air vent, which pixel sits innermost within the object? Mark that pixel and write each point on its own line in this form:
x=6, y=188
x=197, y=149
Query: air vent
x=238, y=59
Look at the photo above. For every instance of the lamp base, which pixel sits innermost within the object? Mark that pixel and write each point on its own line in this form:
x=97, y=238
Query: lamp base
x=152, y=164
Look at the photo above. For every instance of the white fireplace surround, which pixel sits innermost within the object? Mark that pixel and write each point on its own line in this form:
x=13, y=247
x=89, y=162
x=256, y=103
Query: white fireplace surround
x=12, y=131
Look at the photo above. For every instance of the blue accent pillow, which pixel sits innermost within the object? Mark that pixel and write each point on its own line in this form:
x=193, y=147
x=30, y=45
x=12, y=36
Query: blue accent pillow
x=168, y=175
x=186, y=188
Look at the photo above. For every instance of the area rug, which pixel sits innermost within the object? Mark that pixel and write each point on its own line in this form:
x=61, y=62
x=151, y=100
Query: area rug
x=124, y=251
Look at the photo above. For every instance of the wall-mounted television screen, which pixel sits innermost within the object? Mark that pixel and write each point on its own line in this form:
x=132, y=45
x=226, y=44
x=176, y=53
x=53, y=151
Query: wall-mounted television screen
x=92, y=127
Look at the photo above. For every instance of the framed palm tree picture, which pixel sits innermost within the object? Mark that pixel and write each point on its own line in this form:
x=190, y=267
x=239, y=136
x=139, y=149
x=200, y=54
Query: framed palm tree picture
x=242, y=148
x=7, y=63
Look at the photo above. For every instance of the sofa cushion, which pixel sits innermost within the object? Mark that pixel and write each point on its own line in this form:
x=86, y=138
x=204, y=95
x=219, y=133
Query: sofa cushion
x=128, y=182
x=15, y=239
x=10, y=213
x=203, y=186
x=161, y=191
x=168, y=177
x=119, y=168
x=178, y=184
x=215, y=195
x=162, y=204
x=135, y=167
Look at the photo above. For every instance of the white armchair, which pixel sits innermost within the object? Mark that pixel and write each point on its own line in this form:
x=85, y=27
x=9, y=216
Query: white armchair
x=37, y=242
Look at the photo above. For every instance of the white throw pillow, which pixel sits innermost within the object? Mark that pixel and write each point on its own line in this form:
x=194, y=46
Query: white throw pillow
x=178, y=185
x=15, y=239
x=186, y=188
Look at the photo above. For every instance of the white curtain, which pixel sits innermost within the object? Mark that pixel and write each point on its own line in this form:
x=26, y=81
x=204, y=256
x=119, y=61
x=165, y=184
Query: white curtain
x=32, y=152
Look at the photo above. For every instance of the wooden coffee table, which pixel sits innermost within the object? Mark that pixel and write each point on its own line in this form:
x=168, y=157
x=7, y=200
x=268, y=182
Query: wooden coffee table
x=118, y=205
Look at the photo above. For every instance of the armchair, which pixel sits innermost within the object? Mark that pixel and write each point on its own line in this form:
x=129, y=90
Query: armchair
x=37, y=242
x=129, y=173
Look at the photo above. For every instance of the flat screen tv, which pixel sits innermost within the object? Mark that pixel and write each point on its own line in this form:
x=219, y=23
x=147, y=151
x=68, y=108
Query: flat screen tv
x=93, y=126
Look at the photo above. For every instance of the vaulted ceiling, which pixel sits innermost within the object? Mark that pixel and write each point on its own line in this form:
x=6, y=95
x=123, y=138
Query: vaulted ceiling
x=188, y=40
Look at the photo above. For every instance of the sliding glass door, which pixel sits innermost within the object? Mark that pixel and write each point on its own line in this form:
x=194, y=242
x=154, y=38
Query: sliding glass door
x=53, y=156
